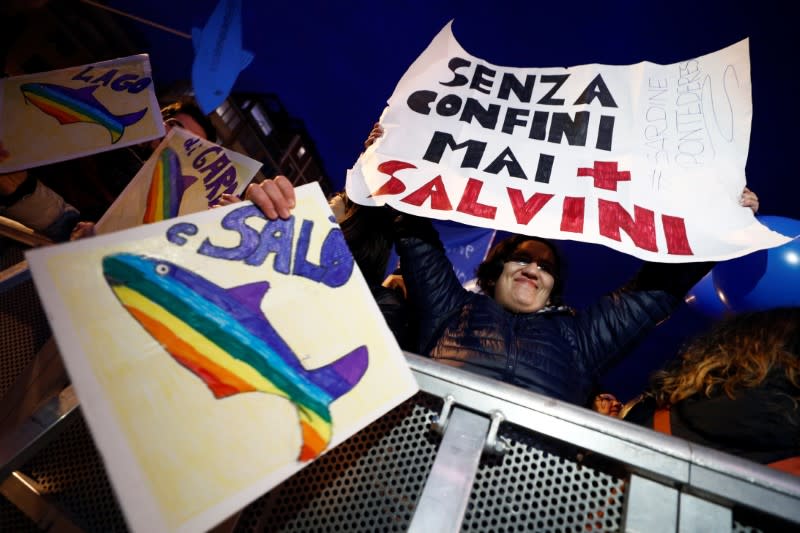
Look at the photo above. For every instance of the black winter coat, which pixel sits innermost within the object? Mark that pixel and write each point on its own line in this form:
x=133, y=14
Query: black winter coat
x=760, y=423
x=554, y=351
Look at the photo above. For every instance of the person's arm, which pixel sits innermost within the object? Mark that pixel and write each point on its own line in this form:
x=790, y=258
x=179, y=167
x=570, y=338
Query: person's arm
x=434, y=291
x=616, y=323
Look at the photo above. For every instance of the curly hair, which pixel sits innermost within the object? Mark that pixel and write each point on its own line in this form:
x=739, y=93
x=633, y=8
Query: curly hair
x=491, y=267
x=739, y=352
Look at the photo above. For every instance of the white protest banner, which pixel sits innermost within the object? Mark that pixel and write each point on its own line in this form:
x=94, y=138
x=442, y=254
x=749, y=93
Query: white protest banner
x=185, y=174
x=216, y=354
x=646, y=159
x=73, y=112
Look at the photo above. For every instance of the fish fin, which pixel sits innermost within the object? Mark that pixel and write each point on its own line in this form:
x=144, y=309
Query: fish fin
x=339, y=377
x=315, y=433
x=250, y=295
x=131, y=118
x=245, y=58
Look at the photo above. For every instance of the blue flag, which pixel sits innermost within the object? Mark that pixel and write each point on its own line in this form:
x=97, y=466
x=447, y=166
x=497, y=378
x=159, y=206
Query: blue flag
x=218, y=55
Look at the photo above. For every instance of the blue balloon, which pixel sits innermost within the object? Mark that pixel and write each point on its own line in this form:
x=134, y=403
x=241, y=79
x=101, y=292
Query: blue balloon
x=704, y=298
x=764, y=279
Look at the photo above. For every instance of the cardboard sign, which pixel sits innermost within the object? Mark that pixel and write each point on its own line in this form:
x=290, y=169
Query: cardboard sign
x=185, y=174
x=69, y=113
x=646, y=159
x=216, y=354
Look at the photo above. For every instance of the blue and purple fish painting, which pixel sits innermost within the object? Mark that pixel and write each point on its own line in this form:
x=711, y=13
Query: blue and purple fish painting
x=222, y=336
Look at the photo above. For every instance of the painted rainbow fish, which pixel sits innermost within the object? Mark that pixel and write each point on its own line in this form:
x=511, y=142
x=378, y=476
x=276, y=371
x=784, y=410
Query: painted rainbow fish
x=166, y=188
x=69, y=106
x=222, y=336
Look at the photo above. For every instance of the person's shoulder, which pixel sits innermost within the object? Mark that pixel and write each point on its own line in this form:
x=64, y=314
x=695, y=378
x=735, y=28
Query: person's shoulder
x=640, y=410
x=386, y=295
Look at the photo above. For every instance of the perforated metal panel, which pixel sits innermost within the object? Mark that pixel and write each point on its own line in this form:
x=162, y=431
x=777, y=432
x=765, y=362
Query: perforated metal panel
x=13, y=520
x=71, y=472
x=539, y=485
x=11, y=253
x=371, y=482
x=23, y=331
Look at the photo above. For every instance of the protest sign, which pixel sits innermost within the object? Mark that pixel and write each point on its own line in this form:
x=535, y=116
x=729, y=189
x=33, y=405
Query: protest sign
x=73, y=112
x=647, y=159
x=185, y=174
x=216, y=354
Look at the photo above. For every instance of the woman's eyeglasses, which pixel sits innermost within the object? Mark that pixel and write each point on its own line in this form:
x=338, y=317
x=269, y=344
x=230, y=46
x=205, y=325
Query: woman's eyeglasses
x=523, y=261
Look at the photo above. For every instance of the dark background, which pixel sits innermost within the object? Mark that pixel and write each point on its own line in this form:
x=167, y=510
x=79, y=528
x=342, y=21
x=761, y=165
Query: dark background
x=334, y=64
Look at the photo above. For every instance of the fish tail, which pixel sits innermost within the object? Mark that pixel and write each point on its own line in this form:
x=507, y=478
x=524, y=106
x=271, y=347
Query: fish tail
x=122, y=121
x=336, y=379
x=131, y=118
x=339, y=377
x=316, y=434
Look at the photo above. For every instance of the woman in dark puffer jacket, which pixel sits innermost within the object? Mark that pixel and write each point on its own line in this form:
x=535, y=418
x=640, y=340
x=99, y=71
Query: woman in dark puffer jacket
x=518, y=331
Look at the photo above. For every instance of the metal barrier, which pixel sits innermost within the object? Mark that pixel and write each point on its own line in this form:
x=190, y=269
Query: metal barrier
x=465, y=454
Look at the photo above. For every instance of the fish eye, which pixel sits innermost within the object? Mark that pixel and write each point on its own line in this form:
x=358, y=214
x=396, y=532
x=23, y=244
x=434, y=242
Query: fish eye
x=162, y=269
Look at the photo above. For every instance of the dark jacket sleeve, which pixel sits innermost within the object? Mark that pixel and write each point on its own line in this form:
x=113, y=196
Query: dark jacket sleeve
x=612, y=327
x=394, y=310
x=433, y=288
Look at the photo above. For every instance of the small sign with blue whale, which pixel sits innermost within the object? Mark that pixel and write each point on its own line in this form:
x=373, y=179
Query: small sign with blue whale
x=69, y=113
x=216, y=354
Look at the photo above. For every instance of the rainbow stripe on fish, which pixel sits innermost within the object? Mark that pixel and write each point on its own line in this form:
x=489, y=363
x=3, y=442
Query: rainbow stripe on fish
x=69, y=106
x=166, y=188
x=222, y=336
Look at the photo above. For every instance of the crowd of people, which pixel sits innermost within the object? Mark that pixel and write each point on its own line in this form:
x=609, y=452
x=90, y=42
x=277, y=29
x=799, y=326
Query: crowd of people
x=735, y=388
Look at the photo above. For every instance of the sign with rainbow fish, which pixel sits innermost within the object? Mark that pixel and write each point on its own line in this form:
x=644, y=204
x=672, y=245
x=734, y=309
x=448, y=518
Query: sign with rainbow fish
x=184, y=175
x=73, y=112
x=216, y=354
